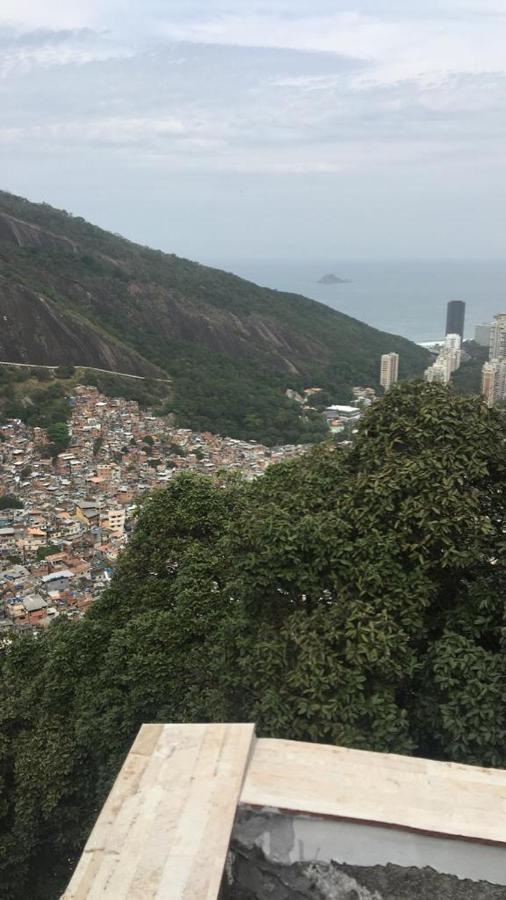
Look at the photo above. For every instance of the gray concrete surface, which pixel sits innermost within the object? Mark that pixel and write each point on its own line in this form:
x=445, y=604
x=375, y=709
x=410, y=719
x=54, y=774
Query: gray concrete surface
x=250, y=876
x=288, y=839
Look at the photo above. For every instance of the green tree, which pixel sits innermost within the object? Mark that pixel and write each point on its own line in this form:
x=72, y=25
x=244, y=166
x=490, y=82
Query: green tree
x=65, y=372
x=9, y=501
x=59, y=436
x=43, y=374
x=47, y=550
x=176, y=449
x=355, y=597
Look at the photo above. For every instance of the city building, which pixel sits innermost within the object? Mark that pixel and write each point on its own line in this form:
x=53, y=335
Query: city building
x=203, y=811
x=114, y=521
x=389, y=370
x=455, y=315
x=447, y=362
x=364, y=393
x=453, y=358
x=439, y=372
x=488, y=382
x=493, y=373
x=79, y=512
x=498, y=337
x=493, y=381
x=453, y=342
x=343, y=412
x=482, y=335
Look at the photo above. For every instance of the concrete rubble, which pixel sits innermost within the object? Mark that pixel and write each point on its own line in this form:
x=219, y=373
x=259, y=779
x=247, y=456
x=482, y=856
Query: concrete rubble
x=250, y=876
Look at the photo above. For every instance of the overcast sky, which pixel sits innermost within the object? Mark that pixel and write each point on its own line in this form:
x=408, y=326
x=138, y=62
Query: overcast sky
x=263, y=128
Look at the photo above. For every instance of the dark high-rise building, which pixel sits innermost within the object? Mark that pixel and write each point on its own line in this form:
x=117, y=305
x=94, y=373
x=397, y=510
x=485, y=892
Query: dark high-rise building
x=455, y=314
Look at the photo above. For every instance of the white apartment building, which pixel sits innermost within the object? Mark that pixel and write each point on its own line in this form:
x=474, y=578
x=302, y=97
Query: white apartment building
x=498, y=337
x=493, y=381
x=114, y=521
x=447, y=362
x=453, y=342
x=438, y=373
x=389, y=370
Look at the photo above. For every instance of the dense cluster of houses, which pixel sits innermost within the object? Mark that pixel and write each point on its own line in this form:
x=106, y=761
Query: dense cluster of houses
x=73, y=513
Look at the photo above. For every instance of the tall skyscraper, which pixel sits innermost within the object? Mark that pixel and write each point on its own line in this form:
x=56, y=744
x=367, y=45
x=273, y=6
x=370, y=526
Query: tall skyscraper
x=488, y=382
x=455, y=314
x=389, y=372
x=453, y=341
x=498, y=337
x=493, y=381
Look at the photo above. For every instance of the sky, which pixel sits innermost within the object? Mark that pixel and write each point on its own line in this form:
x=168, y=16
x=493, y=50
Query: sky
x=251, y=129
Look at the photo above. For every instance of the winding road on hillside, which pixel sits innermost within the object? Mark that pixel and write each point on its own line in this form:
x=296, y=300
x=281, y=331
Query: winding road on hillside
x=88, y=369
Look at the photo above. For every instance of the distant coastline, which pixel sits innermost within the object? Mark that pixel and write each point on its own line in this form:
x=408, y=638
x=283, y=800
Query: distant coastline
x=400, y=296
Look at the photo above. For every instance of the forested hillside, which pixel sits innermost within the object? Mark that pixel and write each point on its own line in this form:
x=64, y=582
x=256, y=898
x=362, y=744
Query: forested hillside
x=350, y=597
x=71, y=293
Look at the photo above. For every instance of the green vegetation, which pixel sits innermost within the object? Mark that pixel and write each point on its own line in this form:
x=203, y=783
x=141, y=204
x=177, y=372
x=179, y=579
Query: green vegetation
x=97, y=445
x=64, y=372
x=47, y=550
x=58, y=434
x=176, y=450
x=467, y=379
x=355, y=597
x=9, y=501
x=23, y=395
x=231, y=397
x=230, y=347
x=39, y=397
x=147, y=392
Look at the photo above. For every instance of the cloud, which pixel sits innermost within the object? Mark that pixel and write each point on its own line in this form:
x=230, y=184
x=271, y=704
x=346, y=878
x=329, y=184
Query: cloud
x=252, y=86
x=184, y=107
x=21, y=52
x=399, y=48
x=57, y=14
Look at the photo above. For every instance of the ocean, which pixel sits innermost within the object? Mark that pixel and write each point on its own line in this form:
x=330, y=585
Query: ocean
x=406, y=297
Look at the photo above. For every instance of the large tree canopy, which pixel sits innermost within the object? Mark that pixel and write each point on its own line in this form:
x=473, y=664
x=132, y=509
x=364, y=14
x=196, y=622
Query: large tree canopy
x=350, y=597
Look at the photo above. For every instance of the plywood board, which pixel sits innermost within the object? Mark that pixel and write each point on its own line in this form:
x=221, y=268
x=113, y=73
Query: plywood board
x=165, y=828
x=435, y=797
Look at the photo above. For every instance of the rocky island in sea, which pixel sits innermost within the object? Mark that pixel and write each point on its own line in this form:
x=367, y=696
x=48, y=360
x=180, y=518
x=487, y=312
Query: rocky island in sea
x=332, y=279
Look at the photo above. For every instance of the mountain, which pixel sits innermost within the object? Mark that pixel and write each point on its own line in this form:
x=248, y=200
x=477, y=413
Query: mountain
x=71, y=293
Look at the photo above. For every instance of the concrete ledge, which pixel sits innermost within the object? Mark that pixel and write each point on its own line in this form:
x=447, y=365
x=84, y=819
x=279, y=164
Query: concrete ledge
x=165, y=829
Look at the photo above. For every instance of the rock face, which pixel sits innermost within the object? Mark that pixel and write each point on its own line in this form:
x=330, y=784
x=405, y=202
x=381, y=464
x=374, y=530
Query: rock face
x=22, y=234
x=34, y=330
x=250, y=876
x=151, y=300
x=71, y=293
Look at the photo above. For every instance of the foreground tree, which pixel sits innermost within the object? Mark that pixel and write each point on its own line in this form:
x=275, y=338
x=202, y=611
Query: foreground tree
x=355, y=598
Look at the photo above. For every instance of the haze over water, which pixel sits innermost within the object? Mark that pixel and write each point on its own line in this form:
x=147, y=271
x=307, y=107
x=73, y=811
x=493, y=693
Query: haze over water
x=403, y=297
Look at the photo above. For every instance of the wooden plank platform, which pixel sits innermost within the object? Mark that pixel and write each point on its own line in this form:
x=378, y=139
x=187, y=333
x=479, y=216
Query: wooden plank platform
x=438, y=798
x=165, y=828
